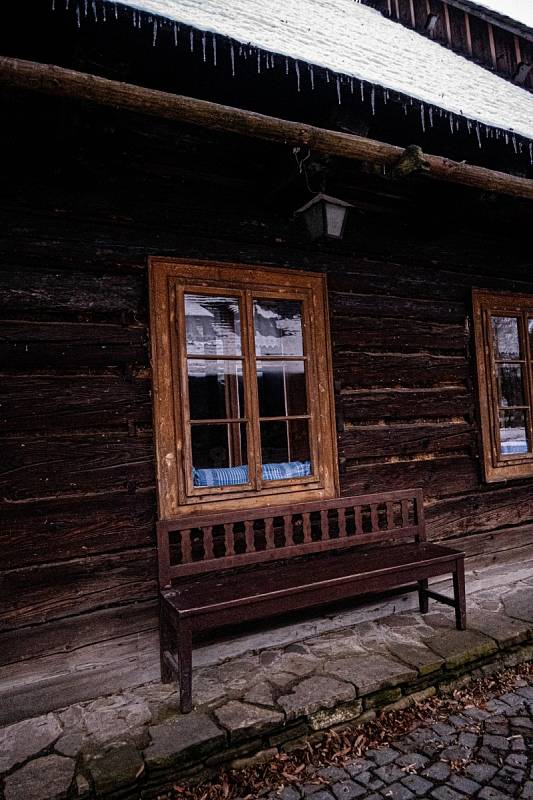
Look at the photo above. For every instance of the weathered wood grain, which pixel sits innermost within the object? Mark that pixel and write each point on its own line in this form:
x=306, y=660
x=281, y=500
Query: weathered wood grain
x=359, y=406
x=372, y=441
x=364, y=370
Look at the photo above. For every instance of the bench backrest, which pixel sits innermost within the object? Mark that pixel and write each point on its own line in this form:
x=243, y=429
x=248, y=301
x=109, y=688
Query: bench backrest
x=195, y=544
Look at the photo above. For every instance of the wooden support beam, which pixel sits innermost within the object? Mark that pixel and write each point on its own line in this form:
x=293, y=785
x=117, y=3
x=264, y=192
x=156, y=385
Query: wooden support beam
x=60, y=82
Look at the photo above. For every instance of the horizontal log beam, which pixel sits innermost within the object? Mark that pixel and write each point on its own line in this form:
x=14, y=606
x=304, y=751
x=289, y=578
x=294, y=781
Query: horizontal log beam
x=61, y=82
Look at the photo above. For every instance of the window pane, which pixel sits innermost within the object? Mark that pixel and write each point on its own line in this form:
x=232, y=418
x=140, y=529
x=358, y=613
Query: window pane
x=213, y=325
x=510, y=385
x=285, y=449
x=215, y=389
x=219, y=454
x=513, y=435
x=278, y=328
x=530, y=332
x=506, y=341
x=281, y=388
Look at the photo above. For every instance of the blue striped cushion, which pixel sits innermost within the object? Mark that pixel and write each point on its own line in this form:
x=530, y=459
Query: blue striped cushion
x=234, y=476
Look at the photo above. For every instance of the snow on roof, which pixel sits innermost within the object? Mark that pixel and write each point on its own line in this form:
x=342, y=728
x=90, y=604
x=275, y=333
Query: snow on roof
x=354, y=40
x=520, y=11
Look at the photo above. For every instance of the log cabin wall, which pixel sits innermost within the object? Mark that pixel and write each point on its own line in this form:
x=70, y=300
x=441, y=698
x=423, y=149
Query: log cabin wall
x=87, y=196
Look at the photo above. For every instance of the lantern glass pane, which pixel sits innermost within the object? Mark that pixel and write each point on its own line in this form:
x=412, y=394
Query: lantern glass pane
x=335, y=219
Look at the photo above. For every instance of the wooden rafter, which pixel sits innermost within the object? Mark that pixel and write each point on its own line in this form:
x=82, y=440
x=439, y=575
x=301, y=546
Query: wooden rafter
x=61, y=82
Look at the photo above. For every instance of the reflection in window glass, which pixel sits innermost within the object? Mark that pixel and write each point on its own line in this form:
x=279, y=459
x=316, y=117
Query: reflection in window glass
x=285, y=447
x=213, y=325
x=506, y=341
x=278, y=328
x=219, y=454
x=513, y=433
x=510, y=385
x=281, y=388
x=215, y=389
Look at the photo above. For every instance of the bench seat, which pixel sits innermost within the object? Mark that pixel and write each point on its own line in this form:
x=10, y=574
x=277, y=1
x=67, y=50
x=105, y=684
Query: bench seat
x=265, y=562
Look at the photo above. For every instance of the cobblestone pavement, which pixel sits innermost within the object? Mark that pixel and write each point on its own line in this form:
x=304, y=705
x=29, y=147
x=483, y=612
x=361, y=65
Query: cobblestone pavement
x=485, y=754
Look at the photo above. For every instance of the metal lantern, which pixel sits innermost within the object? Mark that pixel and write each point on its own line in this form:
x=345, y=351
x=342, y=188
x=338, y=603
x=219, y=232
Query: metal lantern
x=325, y=216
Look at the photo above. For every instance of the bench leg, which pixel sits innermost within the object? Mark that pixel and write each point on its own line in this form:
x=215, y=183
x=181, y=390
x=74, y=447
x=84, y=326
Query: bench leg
x=166, y=640
x=459, y=595
x=423, y=600
x=185, y=665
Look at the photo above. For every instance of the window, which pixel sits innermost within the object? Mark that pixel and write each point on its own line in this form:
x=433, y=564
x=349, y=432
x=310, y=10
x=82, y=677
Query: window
x=242, y=386
x=504, y=345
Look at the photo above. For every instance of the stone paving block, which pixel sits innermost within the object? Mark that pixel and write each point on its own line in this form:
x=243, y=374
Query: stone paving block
x=518, y=604
x=418, y=656
x=437, y=772
x=489, y=793
x=413, y=760
x=24, y=739
x=382, y=755
x=462, y=784
x=347, y=790
x=119, y=765
x=369, y=673
x=47, y=778
x=189, y=737
x=315, y=693
x=358, y=766
x=481, y=772
x=500, y=743
x=389, y=773
x=527, y=791
x=419, y=786
x=447, y=793
x=397, y=791
x=244, y=721
x=107, y=718
x=332, y=774
x=461, y=647
x=369, y=781
x=260, y=694
x=505, y=630
x=327, y=718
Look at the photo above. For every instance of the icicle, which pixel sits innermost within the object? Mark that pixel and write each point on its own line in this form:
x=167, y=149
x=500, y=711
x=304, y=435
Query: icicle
x=531, y=152
x=506, y=138
x=351, y=85
x=423, y=117
x=53, y=5
x=478, y=136
x=258, y=62
x=214, y=43
x=85, y=7
x=469, y=125
x=430, y=116
x=78, y=15
x=362, y=88
x=204, y=46
x=154, y=33
x=312, y=77
x=67, y=3
x=405, y=109
x=116, y=11
x=451, y=123
x=94, y=11
x=286, y=66
x=373, y=99
x=327, y=76
x=339, y=98
x=232, y=57
x=515, y=148
x=191, y=40
x=175, y=34
x=297, y=69
x=104, y=12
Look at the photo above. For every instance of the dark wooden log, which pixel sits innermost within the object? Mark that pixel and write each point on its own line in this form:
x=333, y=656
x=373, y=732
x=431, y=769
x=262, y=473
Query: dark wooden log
x=54, y=529
x=391, y=333
x=74, y=403
x=58, y=81
x=364, y=370
x=481, y=511
x=359, y=406
x=434, y=311
x=41, y=466
x=37, y=594
x=399, y=440
x=40, y=345
x=437, y=476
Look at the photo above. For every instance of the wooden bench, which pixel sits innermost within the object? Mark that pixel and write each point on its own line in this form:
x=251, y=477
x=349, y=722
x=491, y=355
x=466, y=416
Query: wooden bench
x=228, y=568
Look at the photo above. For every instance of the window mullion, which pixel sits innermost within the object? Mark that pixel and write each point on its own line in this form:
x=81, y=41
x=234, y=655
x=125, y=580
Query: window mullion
x=528, y=377
x=251, y=394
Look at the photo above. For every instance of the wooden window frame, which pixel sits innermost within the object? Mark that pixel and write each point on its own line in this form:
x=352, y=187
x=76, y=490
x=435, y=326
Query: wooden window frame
x=487, y=304
x=169, y=280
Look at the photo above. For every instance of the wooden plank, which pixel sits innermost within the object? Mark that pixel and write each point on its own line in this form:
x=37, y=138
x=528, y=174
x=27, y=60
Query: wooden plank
x=53, y=529
x=72, y=633
x=392, y=333
x=73, y=403
x=392, y=370
x=28, y=345
x=359, y=406
x=39, y=466
x=400, y=440
x=53, y=80
x=37, y=594
x=363, y=305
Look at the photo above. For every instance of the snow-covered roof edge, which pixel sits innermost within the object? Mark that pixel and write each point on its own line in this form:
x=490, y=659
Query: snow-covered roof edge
x=350, y=69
